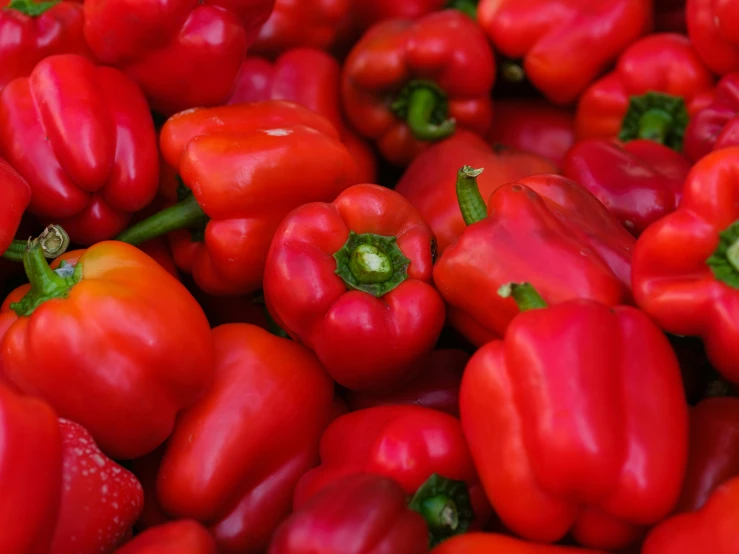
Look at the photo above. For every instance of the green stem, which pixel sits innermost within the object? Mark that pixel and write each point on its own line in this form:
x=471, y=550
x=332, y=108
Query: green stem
x=524, y=294
x=655, y=116
x=54, y=241
x=445, y=505
x=471, y=203
x=512, y=72
x=440, y=512
x=724, y=262
x=31, y=8
x=468, y=7
x=655, y=125
x=421, y=106
x=183, y=215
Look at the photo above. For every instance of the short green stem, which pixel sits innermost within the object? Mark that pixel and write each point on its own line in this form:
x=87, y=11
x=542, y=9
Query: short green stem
x=655, y=125
x=471, y=203
x=525, y=295
x=423, y=106
x=512, y=72
x=183, y=215
x=656, y=116
x=31, y=8
x=468, y=7
x=54, y=241
x=445, y=505
x=440, y=512
x=724, y=262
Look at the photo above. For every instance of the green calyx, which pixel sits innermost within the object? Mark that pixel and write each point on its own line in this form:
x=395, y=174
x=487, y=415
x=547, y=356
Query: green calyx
x=724, y=262
x=658, y=117
x=471, y=203
x=468, y=7
x=423, y=106
x=512, y=71
x=371, y=263
x=524, y=294
x=31, y=8
x=54, y=241
x=445, y=505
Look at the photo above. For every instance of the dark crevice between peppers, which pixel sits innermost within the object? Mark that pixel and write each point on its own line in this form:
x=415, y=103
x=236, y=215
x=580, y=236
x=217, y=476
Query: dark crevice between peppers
x=445, y=505
x=31, y=8
x=524, y=294
x=423, y=106
x=658, y=117
x=468, y=7
x=724, y=262
x=53, y=242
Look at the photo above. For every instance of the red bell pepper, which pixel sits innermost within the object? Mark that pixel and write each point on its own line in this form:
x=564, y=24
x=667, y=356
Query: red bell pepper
x=83, y=137
x=16, y=196
x=713, y=28
x=711, y=529
x=359, y=514
x=311, y=78
x=271, y=157
x=686, y=265
x=181, y=53
x=33, y=30
x=436, y=387
x=714, y=450
x=426, y=182
x=716, y=126
x=111, y=341
x=408, y=83
x=487, y=543
x=577, y=421
x=351, y=280
x=555, y=38
x=669, y=16
x=409, y=444
x=545, y=229
x=179, y=537
x=100, y=500
x=30, y=473
x=639, y=181
x=534, y=126
x=363, y=14
x=239, y=478
x=659, y=80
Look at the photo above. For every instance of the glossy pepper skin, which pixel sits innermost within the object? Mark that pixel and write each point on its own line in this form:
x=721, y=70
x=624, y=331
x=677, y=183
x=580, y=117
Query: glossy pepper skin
x=181, y=53
x=83, y=137
x=363, y=14
x=713, y=27
x=714, y=450
x=238, y=479
x=408, y=83
x=359, y=514
x=30, y=472
x=31, y=31
x=16, y=196
x=351, y=280
x=485, y=543
x=137, y=347
x=184, y=536
x=710, y=529
x=716, y=126
x=686, y=267
x=639, y=181
x=577, y=422
x=311, y=78
x=544, y=33
x=630, y=102
x=545, y=229
x=428, y=183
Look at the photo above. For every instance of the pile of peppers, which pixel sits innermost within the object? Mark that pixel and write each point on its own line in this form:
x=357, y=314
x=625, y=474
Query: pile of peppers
x=369, y=276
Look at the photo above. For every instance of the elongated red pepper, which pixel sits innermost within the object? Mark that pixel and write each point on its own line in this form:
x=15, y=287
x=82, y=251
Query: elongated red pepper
x=83, y=137
x=185, y=536
x=658, y=82
x=311, y=78
x=577, y=421
x=545, y=229
x=408, y=83
x=352, y=281
x=686, y=265
x=485, y=543
x=711, y=529
x=713, y=28
x=552, y=37
x=238, y=479
x=426, y=182
x=639, y=181
x=716, y=126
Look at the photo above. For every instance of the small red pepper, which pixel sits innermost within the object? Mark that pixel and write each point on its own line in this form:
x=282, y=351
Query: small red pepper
x=639, y=181
x=487, y=543
x=83, y=137
x=713, y=28
x=658, y=82
x=408, y=83
x=716, y=126
x=686, y=265
x=577, y=421
x=351, y=280
x=178, y=537
x=16, y=196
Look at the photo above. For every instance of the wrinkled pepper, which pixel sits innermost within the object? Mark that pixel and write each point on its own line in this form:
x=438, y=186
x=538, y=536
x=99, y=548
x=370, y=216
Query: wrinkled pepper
x=16, y=196
x=407, y=83
x=311, y=78
x=713, y=28
x=83, y=137
x=181, y=53
x=271, y=157
x=487, y=543
x=137, y=347
x=238, y=479
x=714, y=450
x=658, y=82
x=710, y=529
x=409, y=444
x=545, y=229
x=429, y=181
x=555, y=37
x=351, y=280
x=359, y=514
x=686, y=265
x=577, y=421
x=33, y=30
x=185, y=536
x=639, y=181
x=716, y=126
